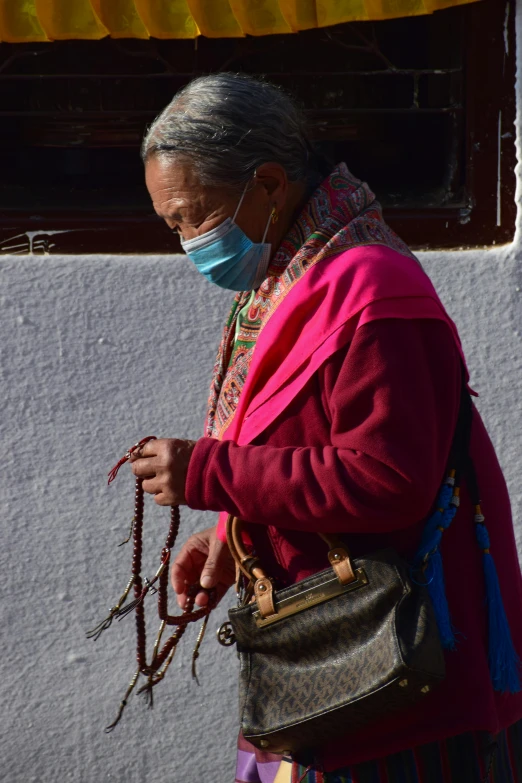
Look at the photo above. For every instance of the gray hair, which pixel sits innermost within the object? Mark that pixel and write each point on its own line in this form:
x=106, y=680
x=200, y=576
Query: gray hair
x=227, y=125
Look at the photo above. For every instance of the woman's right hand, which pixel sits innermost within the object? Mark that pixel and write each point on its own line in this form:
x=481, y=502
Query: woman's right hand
x=206, y=560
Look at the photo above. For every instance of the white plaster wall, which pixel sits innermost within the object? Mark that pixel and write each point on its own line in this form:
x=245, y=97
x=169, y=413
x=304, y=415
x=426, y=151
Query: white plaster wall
x=97, y=352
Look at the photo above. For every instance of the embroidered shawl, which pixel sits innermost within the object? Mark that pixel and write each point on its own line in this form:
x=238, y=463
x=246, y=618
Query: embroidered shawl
x=342, y=214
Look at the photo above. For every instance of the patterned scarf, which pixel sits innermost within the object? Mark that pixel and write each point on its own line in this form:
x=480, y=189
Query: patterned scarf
x=342, y=214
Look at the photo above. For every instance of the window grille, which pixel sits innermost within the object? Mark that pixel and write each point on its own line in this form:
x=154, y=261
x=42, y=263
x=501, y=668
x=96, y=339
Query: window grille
x=412, y=105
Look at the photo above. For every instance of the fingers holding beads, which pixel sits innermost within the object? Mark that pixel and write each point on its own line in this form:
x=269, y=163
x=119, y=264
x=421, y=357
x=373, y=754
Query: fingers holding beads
x=204, y=559
x=163, y=464
x=143, y=467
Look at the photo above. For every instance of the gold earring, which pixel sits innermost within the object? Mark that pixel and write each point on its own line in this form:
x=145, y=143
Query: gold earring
x=274, y=215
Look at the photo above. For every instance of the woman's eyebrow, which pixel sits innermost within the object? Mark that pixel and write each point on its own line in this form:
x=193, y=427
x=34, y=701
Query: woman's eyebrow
x=177, y=216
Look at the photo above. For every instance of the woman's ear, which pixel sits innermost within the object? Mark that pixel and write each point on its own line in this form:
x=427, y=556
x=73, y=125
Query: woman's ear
x=273, y=178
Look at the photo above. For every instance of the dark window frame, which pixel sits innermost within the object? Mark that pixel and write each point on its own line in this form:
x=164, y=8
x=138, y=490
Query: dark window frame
x=489, y=157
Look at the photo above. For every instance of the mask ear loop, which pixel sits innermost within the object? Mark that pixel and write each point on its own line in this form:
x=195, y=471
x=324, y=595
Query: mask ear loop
x=272, y=218
x=240, y=202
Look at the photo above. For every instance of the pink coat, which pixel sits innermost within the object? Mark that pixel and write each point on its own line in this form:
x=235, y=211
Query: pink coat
x=346, y=426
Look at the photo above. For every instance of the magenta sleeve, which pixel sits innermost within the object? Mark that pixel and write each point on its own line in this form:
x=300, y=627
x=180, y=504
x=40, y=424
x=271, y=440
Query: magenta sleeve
x=391, y=400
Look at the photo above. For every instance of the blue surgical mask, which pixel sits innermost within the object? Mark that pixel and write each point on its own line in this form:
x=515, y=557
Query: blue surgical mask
x=227, y=257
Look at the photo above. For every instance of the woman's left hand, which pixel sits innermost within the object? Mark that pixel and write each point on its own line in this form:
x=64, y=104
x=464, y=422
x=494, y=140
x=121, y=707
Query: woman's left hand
x=163, y=466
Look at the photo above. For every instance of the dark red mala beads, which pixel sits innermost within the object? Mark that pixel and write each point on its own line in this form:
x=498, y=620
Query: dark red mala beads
x=161, y=656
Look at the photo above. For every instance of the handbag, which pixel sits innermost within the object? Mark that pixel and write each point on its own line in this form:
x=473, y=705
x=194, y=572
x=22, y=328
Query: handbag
x=363, y=638
x=332, y=652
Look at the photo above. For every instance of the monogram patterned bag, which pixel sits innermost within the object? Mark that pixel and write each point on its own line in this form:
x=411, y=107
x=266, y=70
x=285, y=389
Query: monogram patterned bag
x=330, y=653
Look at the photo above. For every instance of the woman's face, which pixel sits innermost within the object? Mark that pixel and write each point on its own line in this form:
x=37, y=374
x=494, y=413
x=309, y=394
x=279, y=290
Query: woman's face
x=192, y=210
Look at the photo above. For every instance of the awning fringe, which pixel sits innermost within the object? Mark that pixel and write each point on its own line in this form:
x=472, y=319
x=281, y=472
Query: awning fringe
x=53, y=20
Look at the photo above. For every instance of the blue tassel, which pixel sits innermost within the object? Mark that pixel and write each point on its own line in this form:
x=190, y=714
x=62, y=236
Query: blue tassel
x=431, y=535
x=437, y=593
x=429, y=553
x=504, y=664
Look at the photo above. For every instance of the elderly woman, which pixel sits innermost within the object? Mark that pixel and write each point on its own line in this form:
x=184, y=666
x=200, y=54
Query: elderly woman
x=333, y=405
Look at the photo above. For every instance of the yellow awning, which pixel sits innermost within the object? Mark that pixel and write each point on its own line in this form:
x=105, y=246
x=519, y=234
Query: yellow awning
x=53, y=20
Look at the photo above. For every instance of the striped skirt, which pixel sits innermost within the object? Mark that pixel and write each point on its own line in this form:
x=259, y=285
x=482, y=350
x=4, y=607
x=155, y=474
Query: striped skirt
x=475, y=757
